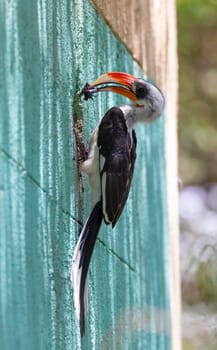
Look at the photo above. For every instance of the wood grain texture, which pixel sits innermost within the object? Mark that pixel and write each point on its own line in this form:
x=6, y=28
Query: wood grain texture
x=48, y=50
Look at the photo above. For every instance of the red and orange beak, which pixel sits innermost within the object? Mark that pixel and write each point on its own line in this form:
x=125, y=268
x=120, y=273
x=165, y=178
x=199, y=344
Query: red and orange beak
x=118, y=82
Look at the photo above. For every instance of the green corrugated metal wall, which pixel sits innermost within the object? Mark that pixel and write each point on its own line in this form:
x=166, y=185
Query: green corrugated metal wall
x=48, y=50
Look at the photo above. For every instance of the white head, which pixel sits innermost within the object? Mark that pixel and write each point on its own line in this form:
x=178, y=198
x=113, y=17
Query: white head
x=150, y=101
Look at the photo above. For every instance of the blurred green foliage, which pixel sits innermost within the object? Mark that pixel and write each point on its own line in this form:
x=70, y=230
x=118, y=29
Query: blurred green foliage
x=197, y=49
x=203, y=11
x=206, y=281
x=197, y=42
x=188, y=345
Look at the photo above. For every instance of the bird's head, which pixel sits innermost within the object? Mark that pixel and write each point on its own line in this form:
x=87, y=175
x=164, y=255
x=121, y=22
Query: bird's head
x=147, y=99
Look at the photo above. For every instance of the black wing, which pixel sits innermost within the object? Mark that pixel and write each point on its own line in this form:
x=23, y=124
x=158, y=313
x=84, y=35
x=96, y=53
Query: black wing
x=117, y=149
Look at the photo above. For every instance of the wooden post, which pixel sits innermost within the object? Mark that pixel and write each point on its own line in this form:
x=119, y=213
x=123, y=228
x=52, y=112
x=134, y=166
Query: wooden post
x=48, y=50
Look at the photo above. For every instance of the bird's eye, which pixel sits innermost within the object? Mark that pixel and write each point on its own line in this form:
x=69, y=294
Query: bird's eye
x=141, y=91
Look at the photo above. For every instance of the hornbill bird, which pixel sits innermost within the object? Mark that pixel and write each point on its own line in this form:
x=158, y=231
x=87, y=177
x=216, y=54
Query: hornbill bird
x=109, y=166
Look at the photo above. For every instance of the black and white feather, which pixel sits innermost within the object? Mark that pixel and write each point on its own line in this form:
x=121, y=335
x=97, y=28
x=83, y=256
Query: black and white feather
x=110, y=168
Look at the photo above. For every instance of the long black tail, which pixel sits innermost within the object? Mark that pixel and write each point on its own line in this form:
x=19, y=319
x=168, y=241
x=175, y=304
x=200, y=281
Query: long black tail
x=81, y=261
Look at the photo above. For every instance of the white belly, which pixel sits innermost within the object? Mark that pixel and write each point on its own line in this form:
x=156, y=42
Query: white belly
x=91, y=168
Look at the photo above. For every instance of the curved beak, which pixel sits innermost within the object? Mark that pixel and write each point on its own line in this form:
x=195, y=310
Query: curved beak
x=118, y=82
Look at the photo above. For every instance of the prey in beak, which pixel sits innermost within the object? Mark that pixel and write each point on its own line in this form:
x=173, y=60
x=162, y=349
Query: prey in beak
x=117, y=82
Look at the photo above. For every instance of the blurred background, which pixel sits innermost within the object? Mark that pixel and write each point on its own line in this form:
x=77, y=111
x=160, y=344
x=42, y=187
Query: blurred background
x=197, y=39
